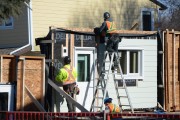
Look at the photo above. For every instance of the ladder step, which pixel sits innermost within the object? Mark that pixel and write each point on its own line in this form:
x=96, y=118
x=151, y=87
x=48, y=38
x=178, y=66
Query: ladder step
x=99, y=97
x=100, y=88
x=97, y=106
x=121, y=87
x=122, y=96
x=124, y=105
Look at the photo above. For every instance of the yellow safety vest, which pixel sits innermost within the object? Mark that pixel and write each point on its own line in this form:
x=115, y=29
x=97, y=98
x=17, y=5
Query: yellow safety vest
x=66, y=75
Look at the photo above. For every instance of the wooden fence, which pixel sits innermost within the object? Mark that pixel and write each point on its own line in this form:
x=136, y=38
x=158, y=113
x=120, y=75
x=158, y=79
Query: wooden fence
x=28, y=74
x=172, y=70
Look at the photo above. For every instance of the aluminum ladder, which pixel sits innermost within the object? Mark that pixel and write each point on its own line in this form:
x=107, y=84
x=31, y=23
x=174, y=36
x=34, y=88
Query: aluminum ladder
x=103, y=82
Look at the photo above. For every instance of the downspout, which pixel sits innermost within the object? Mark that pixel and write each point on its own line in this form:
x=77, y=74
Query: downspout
x=30, y=34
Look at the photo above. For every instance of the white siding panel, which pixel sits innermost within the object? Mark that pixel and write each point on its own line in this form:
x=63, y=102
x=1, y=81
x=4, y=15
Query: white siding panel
x=144, y=95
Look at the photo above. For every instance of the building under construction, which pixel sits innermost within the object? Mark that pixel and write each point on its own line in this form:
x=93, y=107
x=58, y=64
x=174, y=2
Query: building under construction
x=28, y=82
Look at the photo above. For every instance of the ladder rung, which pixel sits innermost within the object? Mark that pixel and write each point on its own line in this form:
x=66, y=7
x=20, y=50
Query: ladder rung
x=122, y=96
x=100, y=88
x=124, y=105
x=121, y=87
x=97, y=106
x=102, y=79
x=99, y=97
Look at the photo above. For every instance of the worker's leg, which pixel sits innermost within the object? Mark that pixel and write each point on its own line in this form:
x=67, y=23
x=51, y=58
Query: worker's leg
x=66, y=88
x=109, y=46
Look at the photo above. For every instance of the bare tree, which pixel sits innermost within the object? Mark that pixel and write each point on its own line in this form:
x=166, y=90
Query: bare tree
x=170, y=18
x=10, y=8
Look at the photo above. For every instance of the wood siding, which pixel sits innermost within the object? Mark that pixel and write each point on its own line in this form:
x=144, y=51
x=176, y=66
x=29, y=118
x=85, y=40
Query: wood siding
x=18, y=36
x=85, y=14
x=144, y=95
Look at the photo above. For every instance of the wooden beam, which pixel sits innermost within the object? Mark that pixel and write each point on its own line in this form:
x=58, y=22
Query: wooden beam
x=42, y=80
x=35, y=101
x=67, y=41
x=60, y=91
x=52, y=52
x=72, y=49
x=1, y=69
x=173, y=71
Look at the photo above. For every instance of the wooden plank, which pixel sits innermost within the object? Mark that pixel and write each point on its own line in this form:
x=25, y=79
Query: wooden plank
x=1, y=69
x=52, y=53
x=72, y=49
x=42, y=81
x=173, y=72
x=67, y=41
x=60, y=91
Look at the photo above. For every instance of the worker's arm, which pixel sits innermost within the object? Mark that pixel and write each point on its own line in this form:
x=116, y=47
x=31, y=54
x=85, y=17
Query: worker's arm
x=103, y=27
x=61, y=76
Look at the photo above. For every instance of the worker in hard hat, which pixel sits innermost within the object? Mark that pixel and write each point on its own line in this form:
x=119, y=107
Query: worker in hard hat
x=107, y=36
x=111, y=108
x=67, y=76
x=108, y=30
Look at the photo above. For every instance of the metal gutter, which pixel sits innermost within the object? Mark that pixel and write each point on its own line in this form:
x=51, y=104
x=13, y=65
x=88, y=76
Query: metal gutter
x=160, y=4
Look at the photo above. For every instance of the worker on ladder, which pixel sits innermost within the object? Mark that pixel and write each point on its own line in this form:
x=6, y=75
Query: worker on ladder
x=107, y=36
x=111, y=108
x=67, y=76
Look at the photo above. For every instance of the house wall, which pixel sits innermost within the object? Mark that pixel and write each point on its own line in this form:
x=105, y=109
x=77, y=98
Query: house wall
x=85, y=14
x=144, y=95
x=18, y=36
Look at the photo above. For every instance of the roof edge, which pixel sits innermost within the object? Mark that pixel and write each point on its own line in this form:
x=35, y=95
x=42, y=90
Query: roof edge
x=161, y=5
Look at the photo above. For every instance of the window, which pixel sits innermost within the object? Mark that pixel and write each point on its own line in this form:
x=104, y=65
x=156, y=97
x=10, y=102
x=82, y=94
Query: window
x=147, y=19
x=131, y=61
x=6, y=97
x=84, y=63
x=83, y=67
x=6, y=24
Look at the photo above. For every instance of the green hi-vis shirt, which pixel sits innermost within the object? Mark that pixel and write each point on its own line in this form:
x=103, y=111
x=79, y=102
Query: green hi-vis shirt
x=63, y=74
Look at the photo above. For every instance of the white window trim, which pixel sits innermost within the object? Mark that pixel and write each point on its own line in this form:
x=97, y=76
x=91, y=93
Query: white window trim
x=152, y=17
x=8, y=27
x=140, y=74
x=10, y=90
x=85, y=50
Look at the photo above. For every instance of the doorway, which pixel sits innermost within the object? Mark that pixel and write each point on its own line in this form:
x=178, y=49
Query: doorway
x=85, y=64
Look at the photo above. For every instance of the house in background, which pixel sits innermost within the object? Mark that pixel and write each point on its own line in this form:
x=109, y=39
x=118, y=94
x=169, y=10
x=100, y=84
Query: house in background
x=20, y=33
x=128, y=14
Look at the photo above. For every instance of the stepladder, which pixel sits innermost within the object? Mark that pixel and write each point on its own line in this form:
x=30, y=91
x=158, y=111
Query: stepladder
x=111, y=70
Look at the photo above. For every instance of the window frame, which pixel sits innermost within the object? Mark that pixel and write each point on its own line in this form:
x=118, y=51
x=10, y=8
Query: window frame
x=151, y=10
x=3, y=25
x=9, y=89
x=85, y=50
x=140, y=74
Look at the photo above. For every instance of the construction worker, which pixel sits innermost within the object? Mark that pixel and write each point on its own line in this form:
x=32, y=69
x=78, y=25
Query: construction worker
x=108, y=30
x=107, y=34
x=67, y=76
x=111, y=108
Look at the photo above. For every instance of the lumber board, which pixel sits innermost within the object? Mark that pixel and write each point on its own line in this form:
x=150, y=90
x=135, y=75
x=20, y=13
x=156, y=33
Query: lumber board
x=79, y=106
